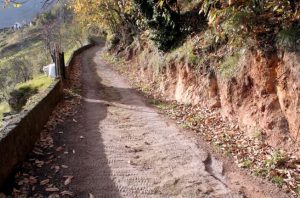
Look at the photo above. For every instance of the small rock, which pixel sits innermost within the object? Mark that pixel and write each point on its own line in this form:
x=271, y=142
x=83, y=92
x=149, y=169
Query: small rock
x=131, y=162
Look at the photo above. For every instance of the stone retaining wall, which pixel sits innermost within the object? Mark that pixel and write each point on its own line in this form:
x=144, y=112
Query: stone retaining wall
x=20, y=134
x=18, y=138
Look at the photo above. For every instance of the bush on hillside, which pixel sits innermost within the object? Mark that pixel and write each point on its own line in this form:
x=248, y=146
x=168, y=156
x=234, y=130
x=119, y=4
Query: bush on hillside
x=288, y=38
x=19, y=97
x=162, y=21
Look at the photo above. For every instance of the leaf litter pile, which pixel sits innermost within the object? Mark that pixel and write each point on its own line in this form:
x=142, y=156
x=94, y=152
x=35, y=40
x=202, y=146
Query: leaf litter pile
x=41, y=175
x=252, y=153
x=278, y=166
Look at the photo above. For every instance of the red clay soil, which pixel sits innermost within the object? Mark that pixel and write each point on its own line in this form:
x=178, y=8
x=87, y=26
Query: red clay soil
x=118, y=146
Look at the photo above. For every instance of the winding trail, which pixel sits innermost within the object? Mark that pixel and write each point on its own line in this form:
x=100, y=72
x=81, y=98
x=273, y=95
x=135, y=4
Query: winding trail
x=129, y=149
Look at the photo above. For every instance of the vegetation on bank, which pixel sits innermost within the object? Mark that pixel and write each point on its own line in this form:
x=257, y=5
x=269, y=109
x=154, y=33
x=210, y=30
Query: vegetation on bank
x=40, y=83
x=223, y=28
x=24, y=95
x=234, y=21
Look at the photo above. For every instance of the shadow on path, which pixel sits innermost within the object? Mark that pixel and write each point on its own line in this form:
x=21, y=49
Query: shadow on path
x=87, y=158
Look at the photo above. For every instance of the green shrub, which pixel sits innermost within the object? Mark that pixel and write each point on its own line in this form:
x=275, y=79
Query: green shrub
x=162, y=21
x=276, y=159
x=18, y=97
x=278, y=180
x=23, y=91
x=246, y=163
x=288, y=38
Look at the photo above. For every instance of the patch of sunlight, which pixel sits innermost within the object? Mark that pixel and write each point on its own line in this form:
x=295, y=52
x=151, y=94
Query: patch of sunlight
x=41, y=83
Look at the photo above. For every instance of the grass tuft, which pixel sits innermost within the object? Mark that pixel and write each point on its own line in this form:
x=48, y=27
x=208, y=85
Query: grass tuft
x=228, y=67
x=4, y=108
x=41, y=83
x=278, y=180
x=288, y=38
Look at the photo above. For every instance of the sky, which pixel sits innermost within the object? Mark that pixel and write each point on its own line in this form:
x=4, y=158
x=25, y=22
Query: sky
x=10, y=15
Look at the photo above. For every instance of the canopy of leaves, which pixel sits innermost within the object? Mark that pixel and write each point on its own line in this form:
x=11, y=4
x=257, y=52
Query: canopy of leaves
x=235, y=19
x=107, y=14
x=231, y=20
x=161, y=20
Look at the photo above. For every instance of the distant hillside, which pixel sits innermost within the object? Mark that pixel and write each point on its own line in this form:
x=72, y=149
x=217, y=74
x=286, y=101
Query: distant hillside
x=11, y=15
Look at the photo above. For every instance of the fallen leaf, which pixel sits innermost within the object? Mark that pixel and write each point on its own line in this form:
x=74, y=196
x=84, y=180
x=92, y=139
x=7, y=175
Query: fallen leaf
x=64, y=166
x=39, y=163
x=32, y=180
x=54, y=196
x=52, y=189
x=64, y=193
x=44, y=182
x=58, y=149
x=68, y=180
x=57, y=168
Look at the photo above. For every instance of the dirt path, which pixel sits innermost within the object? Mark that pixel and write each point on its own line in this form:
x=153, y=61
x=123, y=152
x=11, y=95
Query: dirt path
x=130, y=150
x=117, y=146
